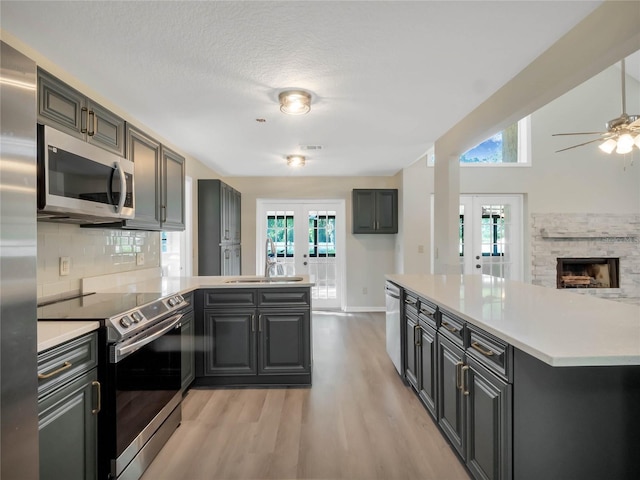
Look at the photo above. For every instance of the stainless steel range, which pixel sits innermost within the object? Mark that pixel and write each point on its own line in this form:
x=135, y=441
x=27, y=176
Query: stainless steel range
x=140, y=371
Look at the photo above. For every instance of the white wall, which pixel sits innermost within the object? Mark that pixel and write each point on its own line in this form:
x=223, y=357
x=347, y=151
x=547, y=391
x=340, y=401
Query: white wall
x=582, y=180
x=369, y=257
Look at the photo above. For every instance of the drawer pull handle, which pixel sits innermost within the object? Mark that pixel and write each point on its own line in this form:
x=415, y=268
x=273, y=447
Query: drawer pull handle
x=428, y=314
x=465, y=379
x=450, y=327
x=409, y=302
x=65, y=366
x=486, y=353
x=99, y=395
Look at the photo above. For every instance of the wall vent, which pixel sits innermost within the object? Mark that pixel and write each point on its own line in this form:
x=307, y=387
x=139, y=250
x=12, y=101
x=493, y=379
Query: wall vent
x=311, y=147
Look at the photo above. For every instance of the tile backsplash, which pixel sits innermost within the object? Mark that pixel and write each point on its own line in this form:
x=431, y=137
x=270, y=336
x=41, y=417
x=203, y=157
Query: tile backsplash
x=92, y=251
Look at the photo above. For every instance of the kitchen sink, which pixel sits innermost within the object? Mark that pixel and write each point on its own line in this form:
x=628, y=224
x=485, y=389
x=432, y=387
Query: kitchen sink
x=266, y=280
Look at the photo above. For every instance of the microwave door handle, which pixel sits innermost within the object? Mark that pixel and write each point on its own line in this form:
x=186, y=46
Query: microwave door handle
x=123, y=187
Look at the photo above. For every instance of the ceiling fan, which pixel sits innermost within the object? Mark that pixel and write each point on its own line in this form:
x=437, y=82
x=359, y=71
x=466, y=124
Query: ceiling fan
x=622, y=132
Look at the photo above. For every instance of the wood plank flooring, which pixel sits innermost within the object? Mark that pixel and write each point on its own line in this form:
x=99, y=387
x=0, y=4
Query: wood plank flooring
x=357, y=421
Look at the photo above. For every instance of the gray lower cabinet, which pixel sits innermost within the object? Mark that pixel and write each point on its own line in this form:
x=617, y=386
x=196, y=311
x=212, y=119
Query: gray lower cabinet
x=68, y=404
x=451, y=417
x=463, y=376
x=187, y=350
x=253, y=337
x=68, y=110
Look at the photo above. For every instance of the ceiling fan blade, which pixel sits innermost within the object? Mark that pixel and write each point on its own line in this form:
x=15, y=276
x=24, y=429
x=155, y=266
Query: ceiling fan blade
x=579, y=133
x=580, y=145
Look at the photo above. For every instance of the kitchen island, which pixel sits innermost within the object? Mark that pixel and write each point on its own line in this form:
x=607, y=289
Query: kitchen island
x=526, y=382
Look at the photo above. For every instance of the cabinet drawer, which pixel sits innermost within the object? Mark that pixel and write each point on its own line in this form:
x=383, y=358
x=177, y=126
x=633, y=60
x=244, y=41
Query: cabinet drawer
x=64, y=362
x=284, y=297
x=229, y=297
x=428, y=313
x=452, y=327
x=493, y=353
x=411, y=303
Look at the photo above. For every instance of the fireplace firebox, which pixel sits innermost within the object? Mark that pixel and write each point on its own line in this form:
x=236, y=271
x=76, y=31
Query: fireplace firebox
x=588, y=272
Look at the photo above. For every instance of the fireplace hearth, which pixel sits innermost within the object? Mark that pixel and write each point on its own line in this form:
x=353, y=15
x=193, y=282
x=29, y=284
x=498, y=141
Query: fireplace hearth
x=588, y=272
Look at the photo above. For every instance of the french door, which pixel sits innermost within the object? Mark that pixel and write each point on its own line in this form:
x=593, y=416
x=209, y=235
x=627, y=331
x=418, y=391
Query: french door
x=491, y=235
x=309, y=240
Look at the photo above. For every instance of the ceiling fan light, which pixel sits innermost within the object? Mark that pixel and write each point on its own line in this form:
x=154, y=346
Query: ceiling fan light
x=608, y=146
x=295, y=102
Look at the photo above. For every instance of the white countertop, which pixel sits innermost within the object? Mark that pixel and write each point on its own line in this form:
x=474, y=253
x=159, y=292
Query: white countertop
x=558, y=327
x=53, y=333
x=182, y=285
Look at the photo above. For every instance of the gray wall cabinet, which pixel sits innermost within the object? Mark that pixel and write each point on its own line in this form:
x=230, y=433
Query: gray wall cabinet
x=375, y=210
x=159, y=175
x=253, y=336
x=219, y=248
x=66, y=109
x=68, y=404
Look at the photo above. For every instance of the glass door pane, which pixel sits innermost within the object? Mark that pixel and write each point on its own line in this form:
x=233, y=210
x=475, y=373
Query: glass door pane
x=281, y=229
x=322, y=266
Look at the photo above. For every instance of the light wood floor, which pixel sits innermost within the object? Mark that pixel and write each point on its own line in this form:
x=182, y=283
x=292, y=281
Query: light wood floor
x=358, y=421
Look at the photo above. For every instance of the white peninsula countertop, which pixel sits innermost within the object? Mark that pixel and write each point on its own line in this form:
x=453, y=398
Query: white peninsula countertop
x=558, y=327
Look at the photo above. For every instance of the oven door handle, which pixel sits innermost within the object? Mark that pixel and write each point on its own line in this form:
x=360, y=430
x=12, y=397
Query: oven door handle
x=172, y=322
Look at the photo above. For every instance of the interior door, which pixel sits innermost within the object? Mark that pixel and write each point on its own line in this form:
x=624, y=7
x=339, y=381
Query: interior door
x=308, y=238
x=491, y=235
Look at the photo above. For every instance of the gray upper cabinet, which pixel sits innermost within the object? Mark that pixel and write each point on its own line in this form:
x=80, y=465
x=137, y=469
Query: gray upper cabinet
x=159, y=184
x=68, y=110
x=375, y=210
x=144, y=152
x=172, y=208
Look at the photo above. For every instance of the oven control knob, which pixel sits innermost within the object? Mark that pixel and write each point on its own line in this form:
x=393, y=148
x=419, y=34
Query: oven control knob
x=125, y=322
x=136, y=316
x=172, y=302
x=179, y=299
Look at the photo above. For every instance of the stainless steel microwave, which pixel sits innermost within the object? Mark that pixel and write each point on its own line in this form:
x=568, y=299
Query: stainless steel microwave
x=81, y=183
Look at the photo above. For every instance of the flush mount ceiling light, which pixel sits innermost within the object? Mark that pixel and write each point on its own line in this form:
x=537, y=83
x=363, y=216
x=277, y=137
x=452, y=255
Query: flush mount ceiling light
x=296, y=160
x=295, y=102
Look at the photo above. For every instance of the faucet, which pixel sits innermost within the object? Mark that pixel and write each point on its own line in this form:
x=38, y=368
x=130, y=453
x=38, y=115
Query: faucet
x=270, y=261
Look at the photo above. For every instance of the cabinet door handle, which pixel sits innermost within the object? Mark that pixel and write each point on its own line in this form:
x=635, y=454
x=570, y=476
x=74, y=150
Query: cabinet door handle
x=417, y=339
x=83, y=120
x=260, y=323
x=164, y=213
x=92, y=123
x=65, y=366
x=486, y=353
x=253, y=322
x=450, y=327
x=458, y=375
x=99, y=395
x=465, y=379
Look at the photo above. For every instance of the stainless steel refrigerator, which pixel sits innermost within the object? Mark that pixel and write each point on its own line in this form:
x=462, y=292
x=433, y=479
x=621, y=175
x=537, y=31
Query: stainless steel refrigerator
x=18, y=244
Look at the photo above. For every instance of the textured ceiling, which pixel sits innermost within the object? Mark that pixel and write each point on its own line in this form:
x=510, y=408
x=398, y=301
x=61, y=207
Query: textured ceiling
x=387, y=78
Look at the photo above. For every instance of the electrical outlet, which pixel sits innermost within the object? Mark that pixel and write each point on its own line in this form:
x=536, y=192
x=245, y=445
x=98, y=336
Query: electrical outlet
x=420, y=248
x=65, y=265
x=140, y=259
x=364, y=290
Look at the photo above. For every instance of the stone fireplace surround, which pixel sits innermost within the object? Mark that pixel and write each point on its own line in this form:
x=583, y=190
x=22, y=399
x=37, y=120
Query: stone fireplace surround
x=578, y=235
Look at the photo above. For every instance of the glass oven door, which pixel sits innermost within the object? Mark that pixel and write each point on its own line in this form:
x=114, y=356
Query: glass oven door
x=146, y=381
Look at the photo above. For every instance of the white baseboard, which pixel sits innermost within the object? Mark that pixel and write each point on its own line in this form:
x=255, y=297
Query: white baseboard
x=365, y=309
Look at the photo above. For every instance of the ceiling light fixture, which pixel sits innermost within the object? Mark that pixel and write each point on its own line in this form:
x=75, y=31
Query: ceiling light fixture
x=295, y=102
x=296, y=160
